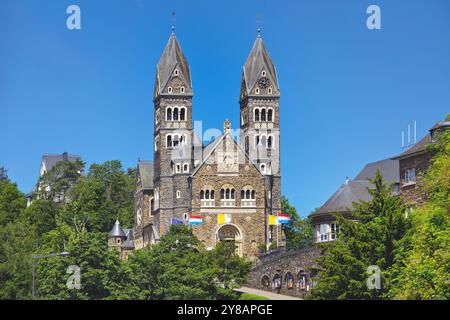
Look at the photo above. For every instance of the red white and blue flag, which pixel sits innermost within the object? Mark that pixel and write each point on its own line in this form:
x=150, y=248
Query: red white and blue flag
x=283, y=218
x=195, y=220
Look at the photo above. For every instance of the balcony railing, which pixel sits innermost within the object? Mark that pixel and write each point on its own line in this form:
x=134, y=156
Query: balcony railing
x=207, y=203
x=227, y=203
x=248, y=203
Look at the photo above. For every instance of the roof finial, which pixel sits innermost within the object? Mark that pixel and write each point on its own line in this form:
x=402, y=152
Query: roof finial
x=258, y=24
x=174, y=21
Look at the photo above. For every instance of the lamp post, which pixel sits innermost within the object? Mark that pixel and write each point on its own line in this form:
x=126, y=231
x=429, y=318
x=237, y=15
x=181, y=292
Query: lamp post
x=35, y=258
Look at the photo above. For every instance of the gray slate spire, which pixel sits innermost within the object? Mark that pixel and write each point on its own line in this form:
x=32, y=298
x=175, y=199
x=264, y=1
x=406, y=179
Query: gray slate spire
x=171, y=59
x=257, y=61
x=117, y=231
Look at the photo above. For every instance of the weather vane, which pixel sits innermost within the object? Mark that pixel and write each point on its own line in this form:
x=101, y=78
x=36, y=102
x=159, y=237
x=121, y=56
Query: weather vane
x=174, y=21
x=258, y=23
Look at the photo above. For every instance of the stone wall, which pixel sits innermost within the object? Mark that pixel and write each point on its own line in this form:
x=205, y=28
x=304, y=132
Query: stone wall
x=414, y=193
x=296, y=265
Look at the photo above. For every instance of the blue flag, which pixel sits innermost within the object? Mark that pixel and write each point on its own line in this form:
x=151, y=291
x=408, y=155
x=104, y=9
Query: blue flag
x=177, y=221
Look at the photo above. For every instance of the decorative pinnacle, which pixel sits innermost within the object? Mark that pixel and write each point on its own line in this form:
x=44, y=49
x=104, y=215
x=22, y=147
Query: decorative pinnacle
x=259, y=32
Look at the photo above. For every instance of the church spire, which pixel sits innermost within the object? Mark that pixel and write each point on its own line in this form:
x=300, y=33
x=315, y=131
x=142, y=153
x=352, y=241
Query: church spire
x=259, y=75
x=173, y=74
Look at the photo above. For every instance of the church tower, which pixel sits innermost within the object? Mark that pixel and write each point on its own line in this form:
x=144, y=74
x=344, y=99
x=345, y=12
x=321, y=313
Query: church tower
x=172, y=136
x=260, y=121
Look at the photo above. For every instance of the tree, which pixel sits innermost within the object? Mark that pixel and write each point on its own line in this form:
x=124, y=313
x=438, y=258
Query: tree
x=369, y=241
x=55, y=184
x=422, y=268
x=12, y=202
x=3, y=175
x=100, y=198
x=299, y=232
x=180, y=268
x=101, y=269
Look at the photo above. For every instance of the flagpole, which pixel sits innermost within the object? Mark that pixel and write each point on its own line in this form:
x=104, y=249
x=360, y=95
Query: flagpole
x=278, y=225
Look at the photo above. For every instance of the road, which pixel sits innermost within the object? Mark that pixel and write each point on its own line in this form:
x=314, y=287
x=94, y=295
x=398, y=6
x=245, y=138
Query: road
x=267, y=294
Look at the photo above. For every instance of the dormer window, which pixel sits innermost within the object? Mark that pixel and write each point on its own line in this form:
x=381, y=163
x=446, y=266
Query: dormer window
x=169, y=89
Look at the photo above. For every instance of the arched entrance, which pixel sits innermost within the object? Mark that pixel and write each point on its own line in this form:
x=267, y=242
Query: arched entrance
x=231, y=233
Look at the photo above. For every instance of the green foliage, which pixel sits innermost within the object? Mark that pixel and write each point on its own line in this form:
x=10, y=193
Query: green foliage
x=99, y=199
x=56, y=183
x=41, y=216
x=299, y=234
x=250, y=296
x=422, y=268
x=180, y=268
x=370, y=241
x=12, y=202
x=101, y=269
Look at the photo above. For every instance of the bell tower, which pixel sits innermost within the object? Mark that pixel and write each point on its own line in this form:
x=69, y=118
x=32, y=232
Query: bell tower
x=260, y=121
x=172, y=135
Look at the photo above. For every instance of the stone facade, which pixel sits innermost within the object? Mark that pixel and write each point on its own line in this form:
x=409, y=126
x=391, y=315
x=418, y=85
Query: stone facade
x=290, y=273
x=239, y=180
x=413, y=192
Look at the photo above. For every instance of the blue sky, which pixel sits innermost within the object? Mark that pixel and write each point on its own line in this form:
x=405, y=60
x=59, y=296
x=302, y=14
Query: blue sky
x=347, y=92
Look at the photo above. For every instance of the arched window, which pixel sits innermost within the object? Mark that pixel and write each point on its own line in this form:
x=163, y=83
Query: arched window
x=202, y=194
x=176, y=72
x=227, y=194
x=222, y=194
x=256, y=114
x=185, y=168
x=169, y=141
x=269, y=142
x=289, y=280
x=182, y=89
x=276, y=281
x=232, y=193
x=247, y=144
x=247, y=194
x=169, y=89
x=169, y=114
x=175, y=114
x=270, y=115
x=262, y=167
x=253, y=194
x=256, y=140
x=257, y=91
x=212, y=194
x=269, y=90
x=207, y=194
x=183, y=114
x=242, y=194
x=263, y=114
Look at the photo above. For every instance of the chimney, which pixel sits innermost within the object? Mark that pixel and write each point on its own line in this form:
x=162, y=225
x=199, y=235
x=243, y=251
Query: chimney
x=65, y=157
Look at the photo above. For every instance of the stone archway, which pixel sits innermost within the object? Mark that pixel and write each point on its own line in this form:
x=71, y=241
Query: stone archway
x=231, y=233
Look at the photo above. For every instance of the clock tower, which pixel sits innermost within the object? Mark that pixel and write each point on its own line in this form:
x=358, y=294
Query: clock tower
x=260, y=121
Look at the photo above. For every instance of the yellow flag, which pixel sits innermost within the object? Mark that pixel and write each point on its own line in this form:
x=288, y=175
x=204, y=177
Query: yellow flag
x=223, y=218
x=273, y=221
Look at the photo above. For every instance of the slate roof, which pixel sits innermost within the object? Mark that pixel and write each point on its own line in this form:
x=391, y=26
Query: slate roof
x=440, y=124
x=117, y=231
x=129, y=243
x=172, y=58
x=146, y=170
x=49, y=160
x=355, y=190
x=257, y=60
x=388, y=167
x=342, y=200
x=417, y=148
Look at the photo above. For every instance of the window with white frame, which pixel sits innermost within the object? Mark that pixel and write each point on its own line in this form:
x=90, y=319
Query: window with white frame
x=257, y=91
x=175, y=72
x=182, y=89
x=227, y=196
x=269, y=90
x=334, y=228
x=177, y=168
x=263, y=168
x=186, y=168
x=169, y=89
x=178, y=194
x=410, y=175
x=263, y=73
x=248, y=197
x=323, y=232
x=207, y=197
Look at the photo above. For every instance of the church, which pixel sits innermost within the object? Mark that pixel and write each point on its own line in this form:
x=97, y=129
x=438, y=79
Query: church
x=229, y=186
